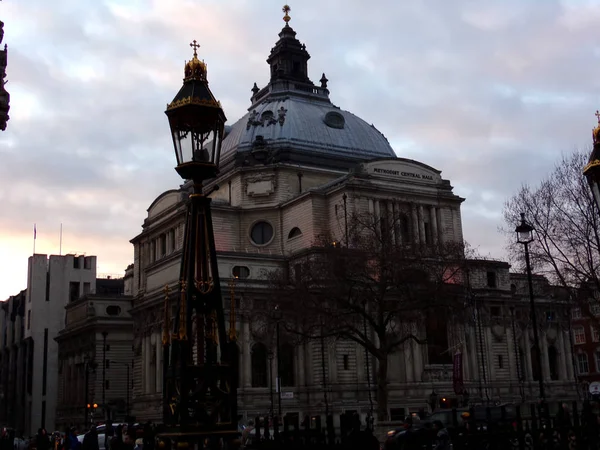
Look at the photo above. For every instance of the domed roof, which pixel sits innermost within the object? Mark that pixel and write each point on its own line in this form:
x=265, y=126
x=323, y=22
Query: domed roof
x=315, y=127
x=291, y=119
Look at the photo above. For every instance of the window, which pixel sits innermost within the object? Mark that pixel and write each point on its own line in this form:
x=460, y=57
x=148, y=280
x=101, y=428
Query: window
x=500, y=362
x=240, y=272
x=113, y=310
x=261, y=233
x=86, y=288
x=107, y=363
x=259, y=365
x=346, y=362
x=286, y=370
x=294, y=232
x=87, y=263
x=579, y=335
x=107, y=384
x=595, y=336
x=582, y=364
x=576, y=313
x=491, y=279
x=437, y=339
x=108, y=347
x=550, y=316
x=495, y=311
x=76, y=262
x=172, y=241
x=73, y=291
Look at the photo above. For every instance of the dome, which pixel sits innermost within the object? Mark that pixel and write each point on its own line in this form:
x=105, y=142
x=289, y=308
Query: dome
x=291, y=119
x=316, y=128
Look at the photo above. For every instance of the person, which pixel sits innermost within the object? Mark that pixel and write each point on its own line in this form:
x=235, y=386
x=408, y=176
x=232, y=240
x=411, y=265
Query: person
x=116, y=443
x=442, y=436
x=90, y=440
x=42, y=441
x=71, y=441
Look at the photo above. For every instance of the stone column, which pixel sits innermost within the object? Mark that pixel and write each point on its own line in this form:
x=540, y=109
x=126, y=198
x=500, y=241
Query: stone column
x=246, y=357
x=434, y=225
x=568, y=355
x=528, y=371
x=159, y=354
x=301, y=369
x=440, y=225
x=415, y=223
x=408, y=358
x=490, y=357
x=512, y=358
x=391, y=220
x=371, y=208
x=377, y=218
x=545, y=360
x=563, y=362
x=422, y=236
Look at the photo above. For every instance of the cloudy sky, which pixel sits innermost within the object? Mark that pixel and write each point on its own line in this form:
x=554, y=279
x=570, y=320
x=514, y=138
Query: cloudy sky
x=490, y=92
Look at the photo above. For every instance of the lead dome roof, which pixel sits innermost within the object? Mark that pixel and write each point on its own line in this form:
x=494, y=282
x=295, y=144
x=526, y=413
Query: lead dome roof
x=291, y=119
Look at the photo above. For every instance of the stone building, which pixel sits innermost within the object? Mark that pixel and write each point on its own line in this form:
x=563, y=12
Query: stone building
x=15, y=358
x=292, y=168
x=96, y=339
x=30, y=322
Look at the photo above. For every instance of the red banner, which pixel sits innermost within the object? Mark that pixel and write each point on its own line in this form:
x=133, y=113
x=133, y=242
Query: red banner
x=457, y=373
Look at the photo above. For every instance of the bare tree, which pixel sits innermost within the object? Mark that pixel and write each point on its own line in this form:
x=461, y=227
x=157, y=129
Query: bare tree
x=565, y=217
x=374, y=288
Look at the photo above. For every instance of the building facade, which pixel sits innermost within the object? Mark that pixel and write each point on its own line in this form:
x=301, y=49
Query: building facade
x=16, y=376
x=95, y=357
x=586, y=341
x=292, y=169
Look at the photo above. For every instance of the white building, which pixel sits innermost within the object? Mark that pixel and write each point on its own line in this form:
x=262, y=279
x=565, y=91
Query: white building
x=53, y=282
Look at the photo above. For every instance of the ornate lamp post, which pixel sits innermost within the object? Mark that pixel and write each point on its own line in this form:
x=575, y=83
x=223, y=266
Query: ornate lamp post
x=592, y=169
x=525, y=236
x=200, y=360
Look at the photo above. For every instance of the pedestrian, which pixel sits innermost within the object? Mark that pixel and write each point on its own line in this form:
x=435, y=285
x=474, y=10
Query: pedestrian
x=42, y=441
x=442, y=438
x=116, y=443
x=90, y=440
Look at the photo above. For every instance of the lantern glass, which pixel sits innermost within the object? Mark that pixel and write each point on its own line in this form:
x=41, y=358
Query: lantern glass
x=197, y=145
x=524, y=231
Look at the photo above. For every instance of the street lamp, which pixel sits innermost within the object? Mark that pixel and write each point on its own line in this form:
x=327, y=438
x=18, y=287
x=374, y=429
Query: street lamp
x=88, y=366
x=525, y=236
x=278, y=316
x=592, y=169
x=271, y=380
x=200, y=383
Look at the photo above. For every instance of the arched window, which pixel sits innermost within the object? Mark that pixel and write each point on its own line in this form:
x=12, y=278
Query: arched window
x=294, y=232
x=553, y=362
x=437, y=339
x=287, y=368
x=259, y=365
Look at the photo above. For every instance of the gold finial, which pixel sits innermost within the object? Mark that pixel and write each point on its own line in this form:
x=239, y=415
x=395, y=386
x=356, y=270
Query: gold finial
x=286, y=9
x=195, y=46
x=596, y=131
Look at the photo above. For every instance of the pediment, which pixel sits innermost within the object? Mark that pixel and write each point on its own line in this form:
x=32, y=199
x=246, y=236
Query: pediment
x=163, y=202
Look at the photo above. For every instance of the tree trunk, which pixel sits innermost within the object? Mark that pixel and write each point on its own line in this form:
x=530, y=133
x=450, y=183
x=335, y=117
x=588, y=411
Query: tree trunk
x=382, y=388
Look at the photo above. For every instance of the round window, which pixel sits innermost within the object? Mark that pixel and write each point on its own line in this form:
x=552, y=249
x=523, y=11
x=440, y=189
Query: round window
x=113, y=310
x=261, y=233
x=241, y=272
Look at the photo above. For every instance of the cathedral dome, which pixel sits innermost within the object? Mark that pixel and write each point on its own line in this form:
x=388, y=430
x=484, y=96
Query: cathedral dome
x=291, y=119
x=317, y=129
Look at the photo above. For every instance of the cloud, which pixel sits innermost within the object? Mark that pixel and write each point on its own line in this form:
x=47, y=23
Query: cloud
x=490, y=93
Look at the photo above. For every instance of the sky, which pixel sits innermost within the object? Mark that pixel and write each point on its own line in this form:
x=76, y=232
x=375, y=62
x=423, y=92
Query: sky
x=489, y=92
